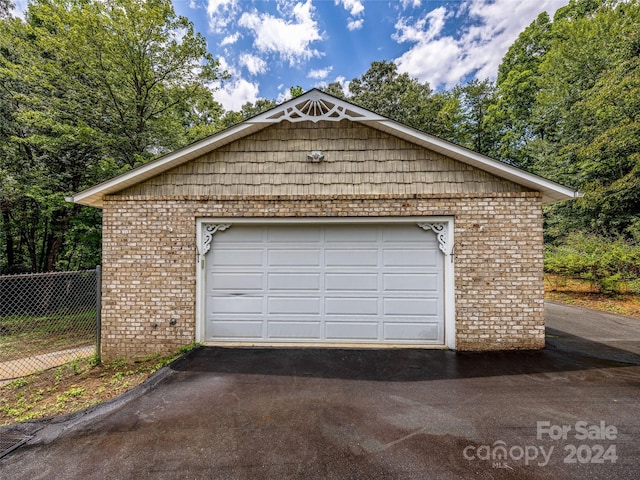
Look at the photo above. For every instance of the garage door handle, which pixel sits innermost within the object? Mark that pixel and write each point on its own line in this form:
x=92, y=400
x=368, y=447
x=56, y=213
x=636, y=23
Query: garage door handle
x=237, y=294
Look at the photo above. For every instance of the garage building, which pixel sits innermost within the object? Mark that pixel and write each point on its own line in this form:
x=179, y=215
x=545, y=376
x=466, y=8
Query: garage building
x=319, y=223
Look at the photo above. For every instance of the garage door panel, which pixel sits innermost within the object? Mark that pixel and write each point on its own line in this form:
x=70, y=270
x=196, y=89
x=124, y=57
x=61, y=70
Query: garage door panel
x=421, y=257
x=345, y=282
x=294, y=258
x=345, y=258
x=235, y=304
x=247, y=236
x=294, y=330
x=425, y=332
x=351, y=306
x=351, y=331
x=295, y=235
x=405, y=234
x=361, y=234
x=411, y=282
x=294, y=281
x=419, y=307
x=240, y=282
x=237, y=258
x=293, y=306
x=236, y=329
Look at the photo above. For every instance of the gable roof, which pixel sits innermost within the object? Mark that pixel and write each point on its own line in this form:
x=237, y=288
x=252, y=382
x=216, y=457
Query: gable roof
x=316, y=106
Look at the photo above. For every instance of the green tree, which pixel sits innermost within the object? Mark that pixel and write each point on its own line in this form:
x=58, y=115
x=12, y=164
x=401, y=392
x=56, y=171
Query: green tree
x=391, y=94
x=566, y=107
x=400, y=97
x=148, y=63
x=5, y=8
x=516, y=91
x=296, y=91
x=247, y=111
x=475, y=129
x=335, y=89
x=89, y=89
x=588, y=106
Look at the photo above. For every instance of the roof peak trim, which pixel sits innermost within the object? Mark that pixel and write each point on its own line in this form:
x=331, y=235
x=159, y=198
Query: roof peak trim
x=315, y=106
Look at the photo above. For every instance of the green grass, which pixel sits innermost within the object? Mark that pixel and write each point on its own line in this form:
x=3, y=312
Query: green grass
x=22, y=336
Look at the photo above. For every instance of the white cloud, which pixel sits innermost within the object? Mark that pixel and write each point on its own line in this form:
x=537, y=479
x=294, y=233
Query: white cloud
x=230, y=39
x=416, y=32
x=477, y=50
x=354, y=7
x=253, y=63
x=355, y=24
x=232, y=95
x=320, y=74
x=409, y=32
x=413, y=3
x=290, y=37
x=19, y=8
x=440, y=62
x=221, y=13
x=283, y=95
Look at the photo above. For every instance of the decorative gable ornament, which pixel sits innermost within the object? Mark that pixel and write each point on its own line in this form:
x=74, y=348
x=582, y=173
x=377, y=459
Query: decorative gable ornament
x=318, y=107
x=209, y=231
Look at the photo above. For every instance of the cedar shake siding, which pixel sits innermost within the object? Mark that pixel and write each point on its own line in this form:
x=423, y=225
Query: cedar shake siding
x=358, y=160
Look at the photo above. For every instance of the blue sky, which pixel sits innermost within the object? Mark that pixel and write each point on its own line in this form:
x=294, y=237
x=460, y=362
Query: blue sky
x=269, y=46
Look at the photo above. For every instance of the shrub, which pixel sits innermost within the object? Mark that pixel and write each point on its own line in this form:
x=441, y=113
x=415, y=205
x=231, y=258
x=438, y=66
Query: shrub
x=613, y=265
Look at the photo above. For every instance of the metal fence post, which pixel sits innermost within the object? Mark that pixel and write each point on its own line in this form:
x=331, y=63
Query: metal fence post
x=98, y=313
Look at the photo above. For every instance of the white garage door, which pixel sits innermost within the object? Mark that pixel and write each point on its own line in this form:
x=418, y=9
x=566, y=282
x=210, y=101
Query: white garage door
x=331, y=283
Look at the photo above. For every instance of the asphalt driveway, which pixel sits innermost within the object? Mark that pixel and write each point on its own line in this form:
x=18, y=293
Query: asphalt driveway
x=570, y=411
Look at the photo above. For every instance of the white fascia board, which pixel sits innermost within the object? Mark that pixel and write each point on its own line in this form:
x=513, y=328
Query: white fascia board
x=551, y=191
x=93, y=196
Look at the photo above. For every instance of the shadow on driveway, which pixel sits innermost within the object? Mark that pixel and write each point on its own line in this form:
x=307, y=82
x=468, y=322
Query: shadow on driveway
x=406, y=365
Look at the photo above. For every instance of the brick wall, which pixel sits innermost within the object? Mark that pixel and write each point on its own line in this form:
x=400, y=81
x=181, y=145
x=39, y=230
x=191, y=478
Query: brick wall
x=149, y=262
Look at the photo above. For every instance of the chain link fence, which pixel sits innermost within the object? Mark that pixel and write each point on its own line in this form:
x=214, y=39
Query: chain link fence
x=47, y=319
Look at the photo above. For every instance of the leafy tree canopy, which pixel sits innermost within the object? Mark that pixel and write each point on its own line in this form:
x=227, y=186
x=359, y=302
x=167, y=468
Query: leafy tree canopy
x=88, y=90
